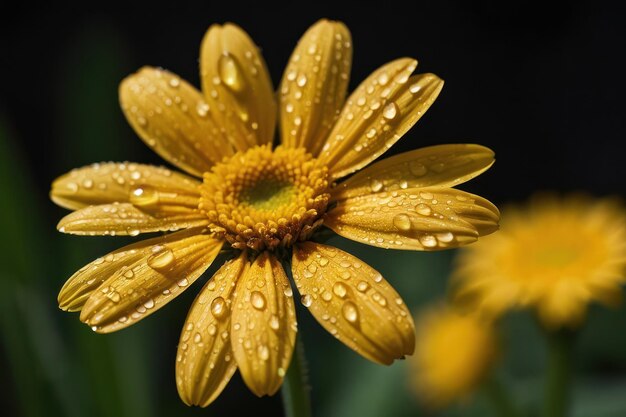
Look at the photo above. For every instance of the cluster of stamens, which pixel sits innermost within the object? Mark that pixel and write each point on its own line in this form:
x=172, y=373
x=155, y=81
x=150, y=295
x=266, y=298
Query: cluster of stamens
x=263, y=199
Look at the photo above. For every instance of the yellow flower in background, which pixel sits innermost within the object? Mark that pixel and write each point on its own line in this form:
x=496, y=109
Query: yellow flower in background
x=263, y=204
x=453, y=355
x=556, y=255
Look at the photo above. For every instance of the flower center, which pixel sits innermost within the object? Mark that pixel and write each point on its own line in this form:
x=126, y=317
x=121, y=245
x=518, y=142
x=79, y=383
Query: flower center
x=264, y=199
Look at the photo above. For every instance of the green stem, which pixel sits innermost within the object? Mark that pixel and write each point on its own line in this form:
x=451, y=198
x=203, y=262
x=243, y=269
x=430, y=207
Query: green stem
x=499, y=398
x=559, y=373
x=295, y=389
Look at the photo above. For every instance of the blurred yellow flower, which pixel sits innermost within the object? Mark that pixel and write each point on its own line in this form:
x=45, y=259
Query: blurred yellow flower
x=453, y=354
x=556, y=255
x=263, y=204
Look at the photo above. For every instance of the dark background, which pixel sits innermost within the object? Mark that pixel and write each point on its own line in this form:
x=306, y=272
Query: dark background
x=543, y=84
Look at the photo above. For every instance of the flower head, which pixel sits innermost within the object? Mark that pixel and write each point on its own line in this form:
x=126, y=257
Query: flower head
x=262, y=205
x=556, y=255
x=453, y=354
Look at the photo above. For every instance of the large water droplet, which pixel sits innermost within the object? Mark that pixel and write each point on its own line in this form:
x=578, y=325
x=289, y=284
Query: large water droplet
x=390, y=111
x=350, y=312
x=258, y=300
x=230, y=73
x=161, y=260
x=423, y=209
x=274, y=322
x=402, y=222
x=218, y=308
x=306, y=300
x=144, y=196
x=428, y=241
x=263, y=352
x=376, y=185
x=445, y=237
x=340, y=289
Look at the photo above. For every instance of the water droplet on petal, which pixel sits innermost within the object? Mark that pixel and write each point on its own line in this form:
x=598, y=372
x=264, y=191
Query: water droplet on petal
x=263, y=352
x=376, y=185
x=423, y=209
x=258, y=300
x=428, y=241
x=417, y=168
x=445, y=237
x=390, y=111
x=340, y=289
x=230, y=73
x=218, y=308
x=402, y=222
x=274, y=322
x=306, y=300
x=144, y=196
x=161, y=260
x=350, y=312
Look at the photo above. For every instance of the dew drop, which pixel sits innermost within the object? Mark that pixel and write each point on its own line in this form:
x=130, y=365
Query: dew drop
x=306, y=300
x=428, y=241
x=415, y=88
x=445, y=237
x=202, y=109
x=263, y=352
x=218, y=308
x=417, y=168
x=376, y=185
x=301, y=80
x=390, y=111
x=350, y=312
x=212, y=329
x=114, y=296
x=197, y=338
x=183, y=282
x=161, y=260
x=340, y=289
x=288, y=292
x=258, y=300
x=362, y=286
x=423, y=209
x=144, y=196
x=274, y=322
x=230, y=73
x=402, y=222
x=174, y=82
x=88, y=183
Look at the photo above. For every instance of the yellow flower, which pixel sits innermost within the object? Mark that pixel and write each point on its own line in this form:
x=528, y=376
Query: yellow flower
x=263, y=204
x=556, y=255
x=453, y=354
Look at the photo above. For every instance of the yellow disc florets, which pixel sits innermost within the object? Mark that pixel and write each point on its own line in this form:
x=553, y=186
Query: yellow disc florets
x=263, y=199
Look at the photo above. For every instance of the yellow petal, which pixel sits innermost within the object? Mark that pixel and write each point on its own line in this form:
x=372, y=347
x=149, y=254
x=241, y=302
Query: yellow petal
x=441, y=166
x=414, y=219
x=205, y=363
x=382, y=109
x=172, y=117
x=237, y=86
x=353, y=302
x=263, y=325
x=314, y=85
x=126, y=219
x=110, y=182
x=168, y=266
